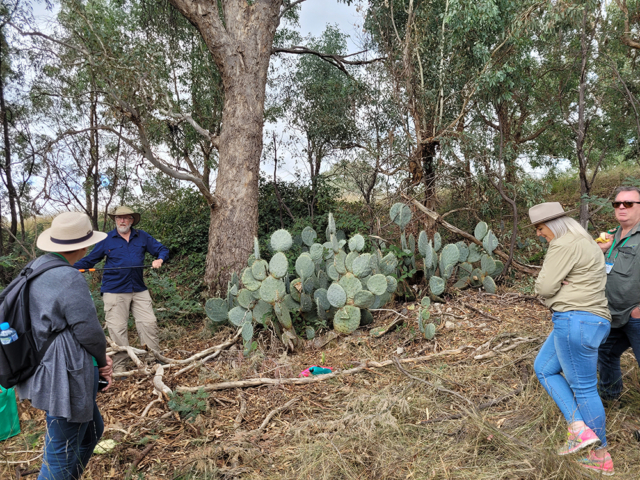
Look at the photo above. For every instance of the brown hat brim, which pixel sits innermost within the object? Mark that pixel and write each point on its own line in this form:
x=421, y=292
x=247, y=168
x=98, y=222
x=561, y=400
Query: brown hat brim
x=136, y=217
x=552, y=217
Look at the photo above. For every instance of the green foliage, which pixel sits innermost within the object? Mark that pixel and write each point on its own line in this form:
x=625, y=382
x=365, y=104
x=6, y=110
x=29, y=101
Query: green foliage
x=189, y=405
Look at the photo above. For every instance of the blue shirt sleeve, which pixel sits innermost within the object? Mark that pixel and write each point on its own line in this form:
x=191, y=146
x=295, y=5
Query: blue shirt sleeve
x=157, y=249
x=94, y=257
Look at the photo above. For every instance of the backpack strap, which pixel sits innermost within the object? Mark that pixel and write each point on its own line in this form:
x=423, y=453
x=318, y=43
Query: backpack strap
x=30, y=274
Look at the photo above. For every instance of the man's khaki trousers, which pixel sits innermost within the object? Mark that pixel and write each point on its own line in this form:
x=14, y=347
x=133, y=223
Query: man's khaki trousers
x=116, y=312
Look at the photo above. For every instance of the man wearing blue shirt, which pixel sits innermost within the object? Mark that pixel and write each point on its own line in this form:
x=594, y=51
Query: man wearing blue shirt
x=123, y=290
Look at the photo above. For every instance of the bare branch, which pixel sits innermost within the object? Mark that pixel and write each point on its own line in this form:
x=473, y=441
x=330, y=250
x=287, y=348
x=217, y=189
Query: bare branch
x=338, y=61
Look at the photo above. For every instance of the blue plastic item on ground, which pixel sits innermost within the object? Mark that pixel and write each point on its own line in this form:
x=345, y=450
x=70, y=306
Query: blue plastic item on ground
x=9, y=421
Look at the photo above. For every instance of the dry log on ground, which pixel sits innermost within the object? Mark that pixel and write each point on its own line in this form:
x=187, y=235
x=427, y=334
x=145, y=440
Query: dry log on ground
x=199, y=355
x=158, y=383
x=256, y=382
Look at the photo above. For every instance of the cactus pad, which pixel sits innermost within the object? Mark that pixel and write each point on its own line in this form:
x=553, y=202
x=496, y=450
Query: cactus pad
x=249, y=281
x=282, y=312
x=321, y=299
x=245, y=298
x=279, y=265
x=392, y=284
x=366, y=318
x=400, y=214
x=377, y=284
x=449, y=256
x=291, y=304
x=436, y=285
x=388, y=264
x=462, y=282
x=348, y=262
x=305, y=266
x=247, y=331
x=256, y=248
x=251, y=259
x=423, y=243
x=487, y=264
x=336, y=295
x=425, y=315
x=347, y=319
x=437, y=241
x=323, y=279
x=362, y=265
x=429, y=331
x=331, y=225
x=498, y=270
x=306, y=304
x=463, y=250
x=481, y=230
x=351, y=285
x=239, y=315
x=260, y=269
x=272, y=290
x=356, y=243
x=425, y=302
x=217, y=310
x=317, y=252
x=429, y=257
x=448, y=271
x=339, y=262
x=310, y=284
x=332, y=273
x=489, y=285
x=262, y=312
x=490, y=242
x=309, y=236
x=474, y=253
x=295, y=288
x=464, y=270
x=364, y=299
x=281, y=241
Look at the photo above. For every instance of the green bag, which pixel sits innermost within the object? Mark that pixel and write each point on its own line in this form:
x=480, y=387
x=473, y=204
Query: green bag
x=9, y=421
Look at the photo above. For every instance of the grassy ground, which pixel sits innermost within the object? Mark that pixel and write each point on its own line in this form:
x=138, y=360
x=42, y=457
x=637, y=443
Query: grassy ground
x=382, y=423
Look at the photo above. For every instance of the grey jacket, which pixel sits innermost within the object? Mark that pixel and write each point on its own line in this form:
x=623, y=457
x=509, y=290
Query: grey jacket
x=59, y=300
x=623, y=282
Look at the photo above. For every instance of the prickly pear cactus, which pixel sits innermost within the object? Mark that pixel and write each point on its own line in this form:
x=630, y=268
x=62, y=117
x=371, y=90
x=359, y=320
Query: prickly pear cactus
x=332, y=287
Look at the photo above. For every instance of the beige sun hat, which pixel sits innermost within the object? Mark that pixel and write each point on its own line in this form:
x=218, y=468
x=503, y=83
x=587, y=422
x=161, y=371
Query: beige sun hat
x=122, y=210
x=69, y=231
x=544, y=212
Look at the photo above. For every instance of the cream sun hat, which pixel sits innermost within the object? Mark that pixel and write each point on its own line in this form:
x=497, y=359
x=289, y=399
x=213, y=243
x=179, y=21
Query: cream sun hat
x=122, y=210
x=544, y=212
x=69, y=231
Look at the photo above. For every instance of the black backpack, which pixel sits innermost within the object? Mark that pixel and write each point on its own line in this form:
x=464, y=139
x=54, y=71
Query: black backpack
x=19, y=359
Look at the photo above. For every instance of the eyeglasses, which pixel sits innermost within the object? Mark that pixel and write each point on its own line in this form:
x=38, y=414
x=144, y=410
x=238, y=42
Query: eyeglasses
x=626, y=204
x=128, y=217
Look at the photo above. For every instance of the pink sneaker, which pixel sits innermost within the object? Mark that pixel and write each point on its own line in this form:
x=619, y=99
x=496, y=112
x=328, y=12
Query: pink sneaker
x=578, y=441
x=604, y=466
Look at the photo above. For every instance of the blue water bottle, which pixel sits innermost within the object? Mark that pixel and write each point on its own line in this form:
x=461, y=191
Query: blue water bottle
x=7, y=334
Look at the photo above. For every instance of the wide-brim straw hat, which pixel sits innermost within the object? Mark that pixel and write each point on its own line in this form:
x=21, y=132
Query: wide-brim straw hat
x=544, y=212
x=69, y=231
x=125, y=211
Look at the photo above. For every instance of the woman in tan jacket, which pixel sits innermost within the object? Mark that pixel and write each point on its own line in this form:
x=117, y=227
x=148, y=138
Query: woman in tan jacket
x=572, y=282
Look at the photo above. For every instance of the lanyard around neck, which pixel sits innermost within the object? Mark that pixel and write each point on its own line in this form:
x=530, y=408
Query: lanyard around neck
x=614, y=244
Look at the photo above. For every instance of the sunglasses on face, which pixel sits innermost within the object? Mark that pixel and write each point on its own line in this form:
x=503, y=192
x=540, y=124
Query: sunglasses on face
x=626, y=204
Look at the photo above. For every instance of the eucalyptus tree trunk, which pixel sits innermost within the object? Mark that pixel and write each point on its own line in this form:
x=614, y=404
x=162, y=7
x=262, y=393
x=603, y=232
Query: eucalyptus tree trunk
x=240, y=38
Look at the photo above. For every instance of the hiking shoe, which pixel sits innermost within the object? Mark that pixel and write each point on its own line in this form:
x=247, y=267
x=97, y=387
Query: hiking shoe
x=578, y=441
x=604, y=466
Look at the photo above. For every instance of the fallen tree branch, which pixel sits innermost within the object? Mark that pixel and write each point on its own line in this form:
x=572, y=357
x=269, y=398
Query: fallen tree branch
x=151, y=404
x=158, y=383
x=130, y=351
x=477, y=310
x=272, y=414
x=256, y=382
x=217, y=352
x=452, y=228
x=199, y=355
x=138, y=459
x=242, y=412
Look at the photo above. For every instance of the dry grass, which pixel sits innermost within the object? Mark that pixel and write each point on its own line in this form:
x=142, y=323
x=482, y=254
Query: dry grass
x=379, y=424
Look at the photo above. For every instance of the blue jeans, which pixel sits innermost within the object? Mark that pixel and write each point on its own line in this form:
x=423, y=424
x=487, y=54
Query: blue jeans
x=68, y=446
x=620, y=339
x=572, y=350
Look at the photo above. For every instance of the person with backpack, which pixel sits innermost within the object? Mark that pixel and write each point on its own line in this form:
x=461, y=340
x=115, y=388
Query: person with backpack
x=65, y=382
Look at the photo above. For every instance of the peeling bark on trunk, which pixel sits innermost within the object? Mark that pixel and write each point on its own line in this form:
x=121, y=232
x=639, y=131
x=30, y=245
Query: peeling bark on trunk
x=239, y=37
